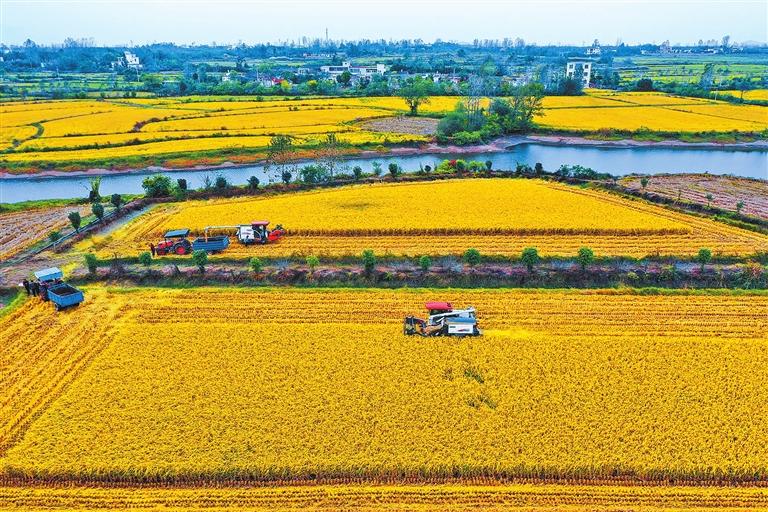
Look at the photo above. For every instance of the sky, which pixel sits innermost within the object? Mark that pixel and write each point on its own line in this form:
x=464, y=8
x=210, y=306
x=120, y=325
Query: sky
x=121, y=22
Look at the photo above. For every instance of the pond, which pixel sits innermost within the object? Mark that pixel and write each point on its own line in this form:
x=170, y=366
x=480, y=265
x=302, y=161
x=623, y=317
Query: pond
x=616, y=161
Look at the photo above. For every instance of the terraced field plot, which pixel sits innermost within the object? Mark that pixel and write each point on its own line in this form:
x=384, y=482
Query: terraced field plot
x=442, y=218
x=296, y=384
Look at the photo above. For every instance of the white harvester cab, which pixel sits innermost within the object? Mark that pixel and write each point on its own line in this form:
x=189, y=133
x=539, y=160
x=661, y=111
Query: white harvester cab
x=443, y=320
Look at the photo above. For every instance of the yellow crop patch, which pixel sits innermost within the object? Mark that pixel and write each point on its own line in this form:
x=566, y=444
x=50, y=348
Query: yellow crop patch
x=228, y=384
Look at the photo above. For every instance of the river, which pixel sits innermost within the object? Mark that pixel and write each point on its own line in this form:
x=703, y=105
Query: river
x=618, y=161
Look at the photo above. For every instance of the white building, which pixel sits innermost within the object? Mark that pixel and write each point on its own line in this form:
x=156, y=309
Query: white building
x=132, y=60
x=356, y=71
x=585, y=68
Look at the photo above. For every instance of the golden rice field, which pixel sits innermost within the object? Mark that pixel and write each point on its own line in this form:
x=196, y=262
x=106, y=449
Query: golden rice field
x=420, y=498
x=282, y=384
x=497, y=217
x=77, y=133
x=754, y=95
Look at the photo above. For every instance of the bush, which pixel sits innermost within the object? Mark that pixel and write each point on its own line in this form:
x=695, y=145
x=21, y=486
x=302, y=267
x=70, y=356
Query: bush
x=54, y=236
x=221, y=182
x=703, y=257
x=98, y=210
x=530, y=257
x=425, y=262
x=472, y=257
x=91, y=263
x=312, y=262
x=286, y=176
x=157, y=186
x=181, y=183
x=200, y=258
x=253, y=183
x=145, y=258
x=489, y=165
x=369, y=260
x=357, y=171
x=585, y=257
x=117, y=201
x=256, y=264
x=75, y=220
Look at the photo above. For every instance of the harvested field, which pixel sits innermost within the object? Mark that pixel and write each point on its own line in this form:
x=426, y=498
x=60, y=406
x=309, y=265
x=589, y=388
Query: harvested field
x=726, y=191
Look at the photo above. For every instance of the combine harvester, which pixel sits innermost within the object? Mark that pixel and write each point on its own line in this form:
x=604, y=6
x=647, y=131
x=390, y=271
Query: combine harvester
x=443, y=320
x=177, y=242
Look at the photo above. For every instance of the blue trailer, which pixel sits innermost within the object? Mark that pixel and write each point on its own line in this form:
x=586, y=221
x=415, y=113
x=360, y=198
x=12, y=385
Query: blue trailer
x=62, y=295
x=210, y=244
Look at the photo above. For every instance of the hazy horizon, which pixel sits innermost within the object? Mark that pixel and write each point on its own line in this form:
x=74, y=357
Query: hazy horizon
x=120, y=22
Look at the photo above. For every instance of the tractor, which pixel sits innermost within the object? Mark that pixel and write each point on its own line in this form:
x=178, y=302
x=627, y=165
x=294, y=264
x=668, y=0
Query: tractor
x=443, y=320
x=174, y=242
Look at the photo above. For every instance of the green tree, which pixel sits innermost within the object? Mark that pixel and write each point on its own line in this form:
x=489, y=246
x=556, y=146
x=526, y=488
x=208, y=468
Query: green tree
x=75, y=220
x=93, y=194
x=279, y=154
x=344, y=78
x=394, y=170
x=739, y=207
x=256, y=265
x=530, y=257
x=425, y=262
x=357, y=172
x=312, y=262
x=709, y=200
x=472, y=257
x=703, y=257
x=157, y=186
x=369, y=261
x=200, y=258
x=117, y=201
x=145, y=258
x=644, y=182
x=91, y=262
x=415, y=93
x=53, y=236
x=98, y=211
x=585, y=257
x=253, y=183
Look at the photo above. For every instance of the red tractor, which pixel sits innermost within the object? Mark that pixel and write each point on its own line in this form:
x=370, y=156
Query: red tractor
x=174, y=242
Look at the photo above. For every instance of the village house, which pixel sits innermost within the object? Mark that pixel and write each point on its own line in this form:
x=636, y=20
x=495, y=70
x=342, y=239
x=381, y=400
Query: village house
x=581, y=67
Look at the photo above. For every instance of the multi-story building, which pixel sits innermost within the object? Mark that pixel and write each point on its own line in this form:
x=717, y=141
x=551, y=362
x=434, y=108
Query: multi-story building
x=580, y=69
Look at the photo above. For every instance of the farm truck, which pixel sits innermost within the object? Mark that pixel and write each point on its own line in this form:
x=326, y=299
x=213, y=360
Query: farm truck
x=62, y=295
x=176, y=242
x=443, y=320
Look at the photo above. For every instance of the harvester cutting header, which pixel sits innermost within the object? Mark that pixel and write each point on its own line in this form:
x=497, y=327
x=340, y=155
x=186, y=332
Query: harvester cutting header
x=176, y=241
x=443, y=320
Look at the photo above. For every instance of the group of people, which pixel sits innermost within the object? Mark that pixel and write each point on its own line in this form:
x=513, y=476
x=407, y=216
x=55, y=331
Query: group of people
x=38, y=288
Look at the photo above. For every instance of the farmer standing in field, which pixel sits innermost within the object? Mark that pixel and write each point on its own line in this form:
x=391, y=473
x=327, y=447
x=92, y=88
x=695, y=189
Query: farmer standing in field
x=35, y=287
x=152, y=249
x=25, y=284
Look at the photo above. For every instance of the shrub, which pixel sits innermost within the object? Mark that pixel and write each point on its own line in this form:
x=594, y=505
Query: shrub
x=530, y=257
x=145, y=258
x=253, y=183
x=256, y=264
x=117, y=201
x=98, y=210
x=54, y=235
x=312, y=262
x=286, y=176
x=369, y=260
x=425, y=262
x=181, y=183
x=157, y=186
x=200, y=258
x=704, y=256
x=585, y=257
x=221, y=182
x=472, y=257
x=357, y=172
x=91, y=263
x=75, y=220
x=488, y=165
x=427, y=169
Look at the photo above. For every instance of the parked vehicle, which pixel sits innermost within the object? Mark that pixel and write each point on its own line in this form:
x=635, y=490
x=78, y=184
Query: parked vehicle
x=61, y=294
